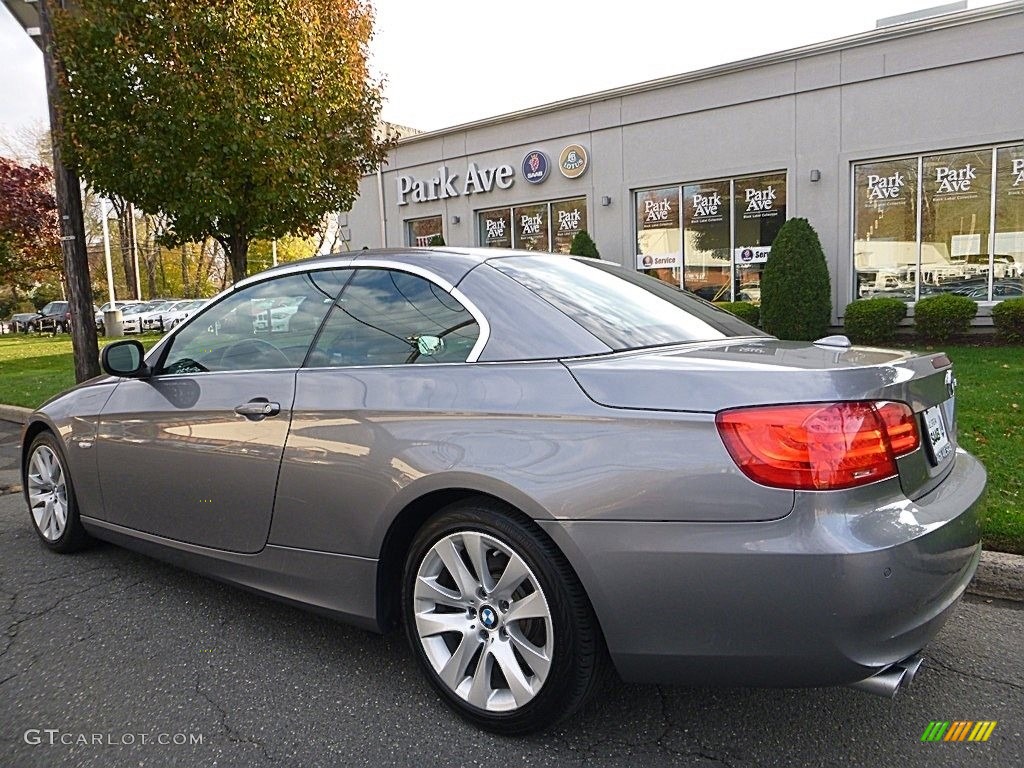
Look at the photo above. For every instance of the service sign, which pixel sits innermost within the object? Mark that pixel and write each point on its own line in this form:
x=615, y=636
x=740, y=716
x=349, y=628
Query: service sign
x=659, y=261
x=756, y=254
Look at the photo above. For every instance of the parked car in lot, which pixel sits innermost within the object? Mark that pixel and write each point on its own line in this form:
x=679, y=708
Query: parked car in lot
x=533, y=465
x=131, y=318
x=122, y=305
x=1001, y=289
x=54, y=317
x=159, y=319
x=19, y=321
x=153, y=310
x=182, y=311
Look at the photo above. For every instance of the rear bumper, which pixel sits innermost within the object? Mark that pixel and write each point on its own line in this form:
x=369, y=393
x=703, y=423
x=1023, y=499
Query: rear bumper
x=839, y=589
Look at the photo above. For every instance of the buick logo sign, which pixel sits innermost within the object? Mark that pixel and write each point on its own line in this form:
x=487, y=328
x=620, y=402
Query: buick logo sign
x=536, y=166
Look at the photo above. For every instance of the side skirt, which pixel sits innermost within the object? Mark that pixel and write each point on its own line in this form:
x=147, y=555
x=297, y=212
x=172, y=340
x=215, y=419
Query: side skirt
x=340, y=586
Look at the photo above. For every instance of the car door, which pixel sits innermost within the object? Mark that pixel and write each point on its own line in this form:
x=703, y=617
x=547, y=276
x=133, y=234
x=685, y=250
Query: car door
x=192, y=452
x=378, y=387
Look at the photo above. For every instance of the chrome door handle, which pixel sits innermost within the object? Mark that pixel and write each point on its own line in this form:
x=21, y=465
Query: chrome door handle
x=256, y=410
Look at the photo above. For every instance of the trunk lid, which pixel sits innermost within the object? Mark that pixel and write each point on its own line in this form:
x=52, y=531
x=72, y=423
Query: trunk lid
x=712, y=376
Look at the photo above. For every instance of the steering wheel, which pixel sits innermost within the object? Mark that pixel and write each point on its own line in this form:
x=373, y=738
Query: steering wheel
x=254, y=353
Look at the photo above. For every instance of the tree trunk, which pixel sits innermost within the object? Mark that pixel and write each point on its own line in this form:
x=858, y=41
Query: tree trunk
x=72, y=226
x=236, y=249
x=184, y=272
x=204, y=265
x=150, y=259
x=124, y=237
x=163, y=272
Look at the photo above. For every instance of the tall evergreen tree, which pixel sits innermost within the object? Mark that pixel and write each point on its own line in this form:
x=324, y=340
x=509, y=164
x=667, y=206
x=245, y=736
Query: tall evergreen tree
x=796, y=295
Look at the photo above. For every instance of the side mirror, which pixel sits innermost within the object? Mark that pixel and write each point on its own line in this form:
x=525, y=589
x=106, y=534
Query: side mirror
x=124, y=359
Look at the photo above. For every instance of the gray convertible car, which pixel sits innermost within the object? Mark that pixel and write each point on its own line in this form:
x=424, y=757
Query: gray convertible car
x=537, y=466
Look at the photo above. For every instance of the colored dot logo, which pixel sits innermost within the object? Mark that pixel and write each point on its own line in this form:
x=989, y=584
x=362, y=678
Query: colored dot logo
x=958, y=730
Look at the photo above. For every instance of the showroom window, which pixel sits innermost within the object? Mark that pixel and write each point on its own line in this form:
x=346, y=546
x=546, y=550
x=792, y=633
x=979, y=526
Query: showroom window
x=924, y=225
x=420, y=231
x=547, y=226
x=711, y=237
x=659, y=244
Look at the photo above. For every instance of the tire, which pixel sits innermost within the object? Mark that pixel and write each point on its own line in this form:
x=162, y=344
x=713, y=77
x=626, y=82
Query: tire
x=554, y=652
x=50, y=496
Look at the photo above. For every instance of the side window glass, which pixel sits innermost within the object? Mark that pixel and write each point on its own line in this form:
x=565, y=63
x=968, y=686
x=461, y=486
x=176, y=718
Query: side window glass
x=388, y=317
x=267, y=325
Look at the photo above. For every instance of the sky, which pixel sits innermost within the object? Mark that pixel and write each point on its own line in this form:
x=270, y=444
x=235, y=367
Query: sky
x=447, y=62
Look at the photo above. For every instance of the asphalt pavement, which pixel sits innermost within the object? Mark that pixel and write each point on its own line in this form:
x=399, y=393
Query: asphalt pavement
x=109, y=658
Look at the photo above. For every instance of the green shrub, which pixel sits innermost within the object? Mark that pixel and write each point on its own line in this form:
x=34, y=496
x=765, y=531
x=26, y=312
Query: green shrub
x=583, y=245
x=936, y=318
x=744, y=310
x=435, y=240
x=796, y=296
x=1008, y=318
x=873, y=321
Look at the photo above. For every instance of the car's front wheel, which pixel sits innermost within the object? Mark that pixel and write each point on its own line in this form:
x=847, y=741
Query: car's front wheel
x=51, y=497
x=499, y=621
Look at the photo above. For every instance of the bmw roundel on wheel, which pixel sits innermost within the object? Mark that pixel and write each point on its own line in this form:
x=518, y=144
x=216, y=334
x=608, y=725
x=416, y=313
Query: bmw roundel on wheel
x=537, y=468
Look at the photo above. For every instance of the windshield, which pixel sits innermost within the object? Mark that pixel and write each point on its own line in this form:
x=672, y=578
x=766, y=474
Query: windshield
x=622, y=308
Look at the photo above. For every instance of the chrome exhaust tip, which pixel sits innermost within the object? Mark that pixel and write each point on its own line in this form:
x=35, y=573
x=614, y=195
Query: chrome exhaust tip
x=886, y=683
x=912, y=665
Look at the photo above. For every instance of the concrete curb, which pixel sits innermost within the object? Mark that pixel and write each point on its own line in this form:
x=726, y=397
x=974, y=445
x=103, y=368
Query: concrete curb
x=1000, y=575
x=15, y=413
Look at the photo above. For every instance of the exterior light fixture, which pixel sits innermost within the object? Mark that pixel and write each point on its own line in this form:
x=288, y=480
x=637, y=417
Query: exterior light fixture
x=455, y=219
x=605, y=200
x=815, y=175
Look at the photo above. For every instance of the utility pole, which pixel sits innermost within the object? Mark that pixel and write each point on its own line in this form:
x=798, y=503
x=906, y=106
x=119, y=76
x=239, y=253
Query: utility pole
x=72, y=227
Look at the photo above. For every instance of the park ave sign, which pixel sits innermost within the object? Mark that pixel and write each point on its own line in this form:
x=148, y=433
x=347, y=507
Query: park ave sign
x=446, y=184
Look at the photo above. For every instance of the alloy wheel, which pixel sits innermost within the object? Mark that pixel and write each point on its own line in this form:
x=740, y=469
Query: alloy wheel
x=47, y=493
x=483, y=621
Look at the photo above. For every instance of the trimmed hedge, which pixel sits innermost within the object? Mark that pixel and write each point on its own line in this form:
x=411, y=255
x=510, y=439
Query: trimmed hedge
x=583, y=245
x=435, y=240
x=796, y=296
x=873, y=321
x=936, y=318
x=744, y=310
x=1008, y=318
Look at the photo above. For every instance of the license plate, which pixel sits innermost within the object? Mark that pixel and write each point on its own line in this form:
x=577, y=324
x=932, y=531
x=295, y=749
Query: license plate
x=938, y=439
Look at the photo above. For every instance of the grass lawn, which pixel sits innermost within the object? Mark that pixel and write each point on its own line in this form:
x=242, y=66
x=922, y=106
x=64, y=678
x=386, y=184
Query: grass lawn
x=990, y=404
x=33, y=367
x=990, y=419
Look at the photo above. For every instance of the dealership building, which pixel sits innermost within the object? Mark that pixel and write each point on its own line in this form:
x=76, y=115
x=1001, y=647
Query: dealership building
x=903, y=147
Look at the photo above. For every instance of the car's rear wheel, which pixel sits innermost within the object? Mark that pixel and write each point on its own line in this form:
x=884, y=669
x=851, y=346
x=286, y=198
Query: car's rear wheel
x=51, y=497
x=498, y=620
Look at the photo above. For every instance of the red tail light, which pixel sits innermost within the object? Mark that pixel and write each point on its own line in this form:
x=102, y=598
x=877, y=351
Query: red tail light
x=819, y=446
